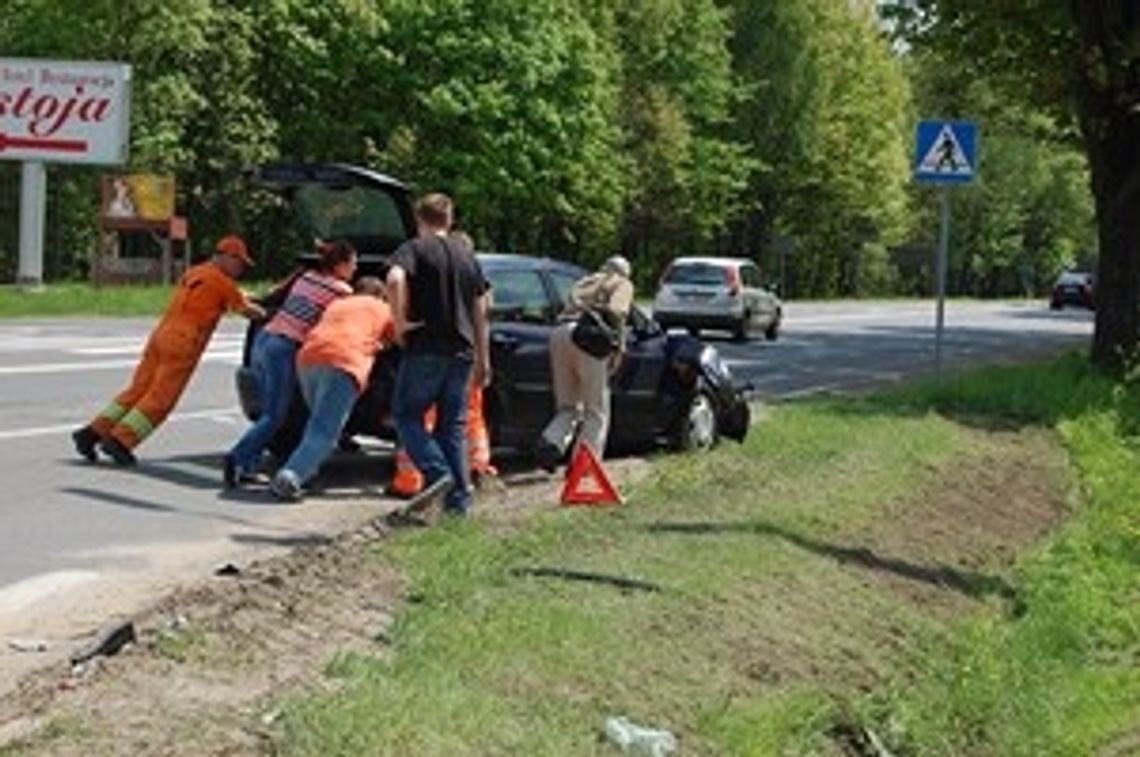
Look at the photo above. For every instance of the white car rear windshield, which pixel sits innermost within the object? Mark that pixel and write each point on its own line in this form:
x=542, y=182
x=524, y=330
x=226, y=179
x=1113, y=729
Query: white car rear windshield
x=698, y=274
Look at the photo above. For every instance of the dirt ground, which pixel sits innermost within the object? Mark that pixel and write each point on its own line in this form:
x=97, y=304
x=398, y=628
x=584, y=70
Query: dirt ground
x=211, y=658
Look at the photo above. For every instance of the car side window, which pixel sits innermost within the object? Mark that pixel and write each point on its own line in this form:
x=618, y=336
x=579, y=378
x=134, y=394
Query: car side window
x=518, y=295
x=563, y=284
x=750, y=275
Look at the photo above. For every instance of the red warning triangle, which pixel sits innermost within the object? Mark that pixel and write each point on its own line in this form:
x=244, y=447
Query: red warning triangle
x=586, y=466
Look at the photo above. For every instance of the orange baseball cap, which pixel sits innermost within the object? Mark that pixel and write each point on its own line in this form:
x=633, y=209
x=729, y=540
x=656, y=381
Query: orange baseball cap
x=234, y=245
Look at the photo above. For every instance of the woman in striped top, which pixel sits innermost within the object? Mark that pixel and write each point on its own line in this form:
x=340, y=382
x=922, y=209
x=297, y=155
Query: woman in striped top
x=273, y=358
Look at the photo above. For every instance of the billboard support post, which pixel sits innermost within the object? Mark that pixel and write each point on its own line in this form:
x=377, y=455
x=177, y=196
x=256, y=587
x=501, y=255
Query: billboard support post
x=33, y=196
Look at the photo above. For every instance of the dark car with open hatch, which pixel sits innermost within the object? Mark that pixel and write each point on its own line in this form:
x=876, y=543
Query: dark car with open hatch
x=671, y=388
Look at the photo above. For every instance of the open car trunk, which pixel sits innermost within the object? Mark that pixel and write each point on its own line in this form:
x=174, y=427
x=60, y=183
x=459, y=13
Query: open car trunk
x=332, y=202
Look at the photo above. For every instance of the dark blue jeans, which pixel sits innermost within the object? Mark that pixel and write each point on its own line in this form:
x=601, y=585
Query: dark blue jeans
x=330, y=394
x=273, y=360
x=423, y=381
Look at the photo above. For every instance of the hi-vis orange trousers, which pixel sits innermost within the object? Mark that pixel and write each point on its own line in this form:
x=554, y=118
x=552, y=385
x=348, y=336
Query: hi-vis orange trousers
x=408, y=479
x=168, y=362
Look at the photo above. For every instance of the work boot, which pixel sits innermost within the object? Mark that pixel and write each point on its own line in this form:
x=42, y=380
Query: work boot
x=85, y=440
x=547, y=456
x=118, y=452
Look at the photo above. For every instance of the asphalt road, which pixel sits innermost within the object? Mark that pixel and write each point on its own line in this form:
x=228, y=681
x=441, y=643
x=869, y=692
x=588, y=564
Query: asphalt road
x=79, y=542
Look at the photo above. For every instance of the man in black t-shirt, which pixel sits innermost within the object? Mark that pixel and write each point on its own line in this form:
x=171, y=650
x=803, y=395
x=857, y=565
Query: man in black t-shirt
x=439, y=304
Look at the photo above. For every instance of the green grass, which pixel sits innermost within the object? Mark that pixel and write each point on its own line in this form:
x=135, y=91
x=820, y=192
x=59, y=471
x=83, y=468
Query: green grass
x=487, y=662
x=1062, y=678
x=82, y=299
x=79, y=299
x=761, y=642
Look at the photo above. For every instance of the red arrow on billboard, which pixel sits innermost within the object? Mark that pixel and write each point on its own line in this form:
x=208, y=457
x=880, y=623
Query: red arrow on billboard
x=50, y=145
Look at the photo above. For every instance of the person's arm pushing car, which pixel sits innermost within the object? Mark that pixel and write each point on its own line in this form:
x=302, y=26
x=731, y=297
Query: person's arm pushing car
x=482, y=377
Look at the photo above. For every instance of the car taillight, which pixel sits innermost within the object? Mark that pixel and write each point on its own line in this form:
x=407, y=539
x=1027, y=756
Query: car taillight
x=732, y=281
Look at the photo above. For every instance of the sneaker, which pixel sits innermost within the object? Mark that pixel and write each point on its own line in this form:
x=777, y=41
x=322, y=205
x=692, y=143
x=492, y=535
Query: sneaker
x=118, y=452
x=286, y=486
x=547, y=456
x=85, y=440
x=246, y=478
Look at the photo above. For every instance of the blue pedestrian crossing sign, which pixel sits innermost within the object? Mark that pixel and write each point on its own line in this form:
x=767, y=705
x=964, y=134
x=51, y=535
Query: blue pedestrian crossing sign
x=947, y=152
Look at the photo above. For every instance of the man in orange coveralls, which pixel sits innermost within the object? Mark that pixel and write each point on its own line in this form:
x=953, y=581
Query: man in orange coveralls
x=204, y=293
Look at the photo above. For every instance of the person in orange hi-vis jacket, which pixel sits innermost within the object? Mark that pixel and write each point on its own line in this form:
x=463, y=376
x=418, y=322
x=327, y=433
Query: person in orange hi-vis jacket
x=408, y=481
x=204, y=293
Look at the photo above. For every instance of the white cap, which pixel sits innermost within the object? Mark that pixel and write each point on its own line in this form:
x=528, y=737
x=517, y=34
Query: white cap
x=617, y=264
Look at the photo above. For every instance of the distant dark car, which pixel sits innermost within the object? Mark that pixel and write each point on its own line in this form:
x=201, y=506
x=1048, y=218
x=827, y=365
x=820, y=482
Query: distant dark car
x=1073, y=288
x=671, y=388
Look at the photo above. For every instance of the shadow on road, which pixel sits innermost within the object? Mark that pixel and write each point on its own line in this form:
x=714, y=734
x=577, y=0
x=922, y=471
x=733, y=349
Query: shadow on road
x=146, y=505
x=969, y=583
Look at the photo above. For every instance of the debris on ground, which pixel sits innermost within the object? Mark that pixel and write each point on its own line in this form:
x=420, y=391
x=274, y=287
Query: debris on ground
x=637, y=739
x=107, y=642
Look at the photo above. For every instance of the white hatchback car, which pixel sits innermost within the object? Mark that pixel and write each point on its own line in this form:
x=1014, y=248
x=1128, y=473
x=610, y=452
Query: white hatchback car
x=717, y=293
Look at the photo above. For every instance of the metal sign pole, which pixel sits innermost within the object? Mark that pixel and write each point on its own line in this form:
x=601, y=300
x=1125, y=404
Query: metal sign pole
x=33, y=194
x=940, y=267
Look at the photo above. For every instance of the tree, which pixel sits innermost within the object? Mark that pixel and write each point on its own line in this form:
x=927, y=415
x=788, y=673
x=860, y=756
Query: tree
x=511, y=106
x=678, y=94
x=828, y=118
x=194, y=111
x=1081, y=59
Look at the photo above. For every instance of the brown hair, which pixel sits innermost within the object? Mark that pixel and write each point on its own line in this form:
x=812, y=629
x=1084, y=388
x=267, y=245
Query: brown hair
x=434, y=210
x=369, y=285
x=333, y=254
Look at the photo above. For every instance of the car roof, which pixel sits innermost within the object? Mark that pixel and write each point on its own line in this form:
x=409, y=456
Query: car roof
x=284, y=174
x=499, y=260
x=710, y=260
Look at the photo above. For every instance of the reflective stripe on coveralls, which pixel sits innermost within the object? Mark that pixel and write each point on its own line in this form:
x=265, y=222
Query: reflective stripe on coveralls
x=167, y=364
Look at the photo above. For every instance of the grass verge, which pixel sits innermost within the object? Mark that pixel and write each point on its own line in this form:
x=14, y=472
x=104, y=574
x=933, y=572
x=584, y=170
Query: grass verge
x=849, y=569
x=1062, y=678
x=56, y=300
x=80, y=299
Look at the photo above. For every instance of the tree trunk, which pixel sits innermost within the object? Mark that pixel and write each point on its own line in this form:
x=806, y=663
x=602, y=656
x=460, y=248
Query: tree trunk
x=1108, y=92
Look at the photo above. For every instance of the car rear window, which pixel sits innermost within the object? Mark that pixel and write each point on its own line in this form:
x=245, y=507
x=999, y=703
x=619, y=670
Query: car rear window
x=351, y=213
x=700, y=274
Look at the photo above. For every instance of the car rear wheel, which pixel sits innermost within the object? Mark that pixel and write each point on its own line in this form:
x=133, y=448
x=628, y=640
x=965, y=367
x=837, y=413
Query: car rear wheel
x=772, y=333
x=697, y=429
x=740, y=332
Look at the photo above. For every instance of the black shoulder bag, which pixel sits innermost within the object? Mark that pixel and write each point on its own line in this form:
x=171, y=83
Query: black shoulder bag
x=593, y=335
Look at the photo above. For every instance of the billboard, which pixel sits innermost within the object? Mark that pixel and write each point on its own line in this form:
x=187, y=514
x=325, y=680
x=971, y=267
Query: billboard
x=64, y=111
x=137, y=201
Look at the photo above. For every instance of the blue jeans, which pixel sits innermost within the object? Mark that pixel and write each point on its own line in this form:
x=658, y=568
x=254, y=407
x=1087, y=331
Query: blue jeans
x=423, y=381
x=330, y=394
x=274, y=363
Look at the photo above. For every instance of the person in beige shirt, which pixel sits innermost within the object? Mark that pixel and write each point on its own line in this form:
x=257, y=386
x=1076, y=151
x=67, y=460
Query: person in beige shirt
x=581, y=373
